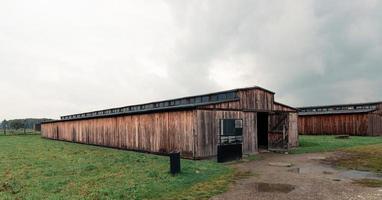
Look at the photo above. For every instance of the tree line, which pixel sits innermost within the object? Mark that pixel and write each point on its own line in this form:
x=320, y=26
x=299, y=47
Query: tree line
x=16, y=124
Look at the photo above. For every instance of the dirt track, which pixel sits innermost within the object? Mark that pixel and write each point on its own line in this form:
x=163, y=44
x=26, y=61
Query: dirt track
x=308, y=178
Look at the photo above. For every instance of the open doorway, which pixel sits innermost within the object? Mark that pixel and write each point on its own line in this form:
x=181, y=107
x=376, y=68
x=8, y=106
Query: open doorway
x=262, y=130
x=230, y=145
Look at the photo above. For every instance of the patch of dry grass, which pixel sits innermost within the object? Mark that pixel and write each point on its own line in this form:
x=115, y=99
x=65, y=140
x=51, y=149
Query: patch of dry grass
x=368, y=182
x=364, y=158
x=367, y=157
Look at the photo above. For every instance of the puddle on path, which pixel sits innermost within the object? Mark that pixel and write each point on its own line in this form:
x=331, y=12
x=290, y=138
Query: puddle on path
x=312, y=170
x=354, y=174
x=349, y=174
x=273, y=187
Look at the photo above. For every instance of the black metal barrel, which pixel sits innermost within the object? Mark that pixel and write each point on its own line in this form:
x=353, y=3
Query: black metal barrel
x=174, y=163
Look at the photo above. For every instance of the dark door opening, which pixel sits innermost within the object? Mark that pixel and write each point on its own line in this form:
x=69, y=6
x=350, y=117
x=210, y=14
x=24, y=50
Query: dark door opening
x=262, y=130
x=230, y=140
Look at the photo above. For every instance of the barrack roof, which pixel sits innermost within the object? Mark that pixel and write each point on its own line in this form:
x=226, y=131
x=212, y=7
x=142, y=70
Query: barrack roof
x=353, y=108
x=188, y=102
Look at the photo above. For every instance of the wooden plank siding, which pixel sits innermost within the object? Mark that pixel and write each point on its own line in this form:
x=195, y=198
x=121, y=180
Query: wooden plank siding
x=293, y=130
x=192, y=131
x=352, y=124
x=375, y=121
x=208, y=131
x=281, y=107
x=360, y=124
x=251, y=99
x=157, y=132
x=292, y=123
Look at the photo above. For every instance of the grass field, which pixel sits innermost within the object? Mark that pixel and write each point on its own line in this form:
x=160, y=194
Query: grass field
x=310, y=144
x=18, y=132
x=367, y=157
x=35, y=168
x=364, y=158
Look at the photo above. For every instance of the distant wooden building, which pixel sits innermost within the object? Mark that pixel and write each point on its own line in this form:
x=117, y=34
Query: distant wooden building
x=196, y=126
x=363, y=119
x=37, y=127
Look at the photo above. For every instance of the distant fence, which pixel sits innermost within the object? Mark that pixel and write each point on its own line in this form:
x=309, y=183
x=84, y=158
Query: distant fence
x=19, y=132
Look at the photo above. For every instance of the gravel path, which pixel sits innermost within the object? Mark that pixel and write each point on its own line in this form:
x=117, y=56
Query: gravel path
x=308, y=178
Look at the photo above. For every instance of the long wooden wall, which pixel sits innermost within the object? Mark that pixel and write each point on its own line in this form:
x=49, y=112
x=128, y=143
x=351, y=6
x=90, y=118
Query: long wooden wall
x=193, y=132
x=208, y=131
x=157, y=132
x=375, y=124
x=352, y=124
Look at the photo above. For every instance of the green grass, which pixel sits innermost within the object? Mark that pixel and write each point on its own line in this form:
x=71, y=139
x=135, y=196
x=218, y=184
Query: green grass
x=35, y=168
x=310, y=144
x=18, y=132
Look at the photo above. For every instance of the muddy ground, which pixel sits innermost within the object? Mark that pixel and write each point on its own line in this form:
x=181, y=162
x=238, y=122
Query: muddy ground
x=308, y=178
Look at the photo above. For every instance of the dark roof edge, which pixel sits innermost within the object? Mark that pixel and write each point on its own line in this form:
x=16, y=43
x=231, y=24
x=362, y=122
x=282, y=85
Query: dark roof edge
x=336, y=105
x=173, y=108
x=285, y=105
x=335, y=113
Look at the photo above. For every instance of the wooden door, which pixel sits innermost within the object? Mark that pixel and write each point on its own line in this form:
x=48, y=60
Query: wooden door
x=278, y=131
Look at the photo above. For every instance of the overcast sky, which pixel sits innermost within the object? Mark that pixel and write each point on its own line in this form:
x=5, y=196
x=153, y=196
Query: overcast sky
x=63, y=57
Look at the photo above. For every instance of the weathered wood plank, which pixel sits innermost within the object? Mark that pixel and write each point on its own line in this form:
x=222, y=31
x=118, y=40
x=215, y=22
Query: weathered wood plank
x=193, y=132
x=208, y=131
x=157, y=133
x=352, y=124
x=250, y=99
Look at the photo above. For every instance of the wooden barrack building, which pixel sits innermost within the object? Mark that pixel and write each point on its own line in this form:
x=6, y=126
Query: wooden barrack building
x=361, y=119
x=195, y=126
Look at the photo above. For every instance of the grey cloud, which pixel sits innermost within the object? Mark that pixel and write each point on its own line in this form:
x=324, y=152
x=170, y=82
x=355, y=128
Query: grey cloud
x=309, y=52
x=66, y=57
